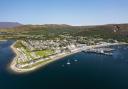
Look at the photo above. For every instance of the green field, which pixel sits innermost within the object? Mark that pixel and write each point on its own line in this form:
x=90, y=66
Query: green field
x=44, y=53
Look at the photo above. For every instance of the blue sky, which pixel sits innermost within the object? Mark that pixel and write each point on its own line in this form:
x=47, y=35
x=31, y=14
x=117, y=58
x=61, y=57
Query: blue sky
x=73, y=12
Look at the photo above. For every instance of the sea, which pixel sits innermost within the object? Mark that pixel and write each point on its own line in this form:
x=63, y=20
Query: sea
x=77, y=71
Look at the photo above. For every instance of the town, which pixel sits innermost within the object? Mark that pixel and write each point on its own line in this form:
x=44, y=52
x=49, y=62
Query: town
x=32, y=54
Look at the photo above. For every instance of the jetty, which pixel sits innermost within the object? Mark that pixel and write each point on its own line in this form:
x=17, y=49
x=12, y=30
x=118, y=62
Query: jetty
x=102, y=51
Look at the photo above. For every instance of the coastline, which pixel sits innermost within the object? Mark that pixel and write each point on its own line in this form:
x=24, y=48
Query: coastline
x=20, y=71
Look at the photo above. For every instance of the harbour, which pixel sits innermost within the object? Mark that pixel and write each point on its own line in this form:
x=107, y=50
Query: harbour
x=101, y=71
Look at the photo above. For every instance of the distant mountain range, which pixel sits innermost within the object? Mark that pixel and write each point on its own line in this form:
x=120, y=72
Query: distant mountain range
x=9, y=24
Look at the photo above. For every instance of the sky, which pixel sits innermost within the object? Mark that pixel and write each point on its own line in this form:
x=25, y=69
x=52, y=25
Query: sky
x=72, y=12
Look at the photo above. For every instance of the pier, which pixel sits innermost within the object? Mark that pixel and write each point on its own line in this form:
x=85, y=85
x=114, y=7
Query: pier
x=103, y=51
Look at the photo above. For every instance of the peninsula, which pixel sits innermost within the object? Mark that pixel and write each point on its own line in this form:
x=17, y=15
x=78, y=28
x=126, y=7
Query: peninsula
x=28, y=57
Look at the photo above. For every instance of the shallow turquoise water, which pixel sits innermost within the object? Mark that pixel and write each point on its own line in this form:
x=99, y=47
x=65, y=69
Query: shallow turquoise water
x=90, y=71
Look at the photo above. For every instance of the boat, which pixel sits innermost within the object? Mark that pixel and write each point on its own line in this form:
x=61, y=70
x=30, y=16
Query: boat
x=68, y=63
x=75, y=60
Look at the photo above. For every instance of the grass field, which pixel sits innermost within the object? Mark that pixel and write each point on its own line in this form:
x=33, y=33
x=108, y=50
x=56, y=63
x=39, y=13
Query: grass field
x=44, y=53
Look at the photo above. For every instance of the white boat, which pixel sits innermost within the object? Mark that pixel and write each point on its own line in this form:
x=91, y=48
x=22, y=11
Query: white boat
x=75, y=60
x=68, y=63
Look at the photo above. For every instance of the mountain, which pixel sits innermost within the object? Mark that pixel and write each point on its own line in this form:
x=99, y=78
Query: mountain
x=9, y=24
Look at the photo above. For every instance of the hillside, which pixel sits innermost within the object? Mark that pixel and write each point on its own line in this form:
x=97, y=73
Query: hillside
x=9, y=24
x=111, y=31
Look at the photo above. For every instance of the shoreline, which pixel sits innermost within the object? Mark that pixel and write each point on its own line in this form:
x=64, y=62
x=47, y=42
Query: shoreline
x=13, y=68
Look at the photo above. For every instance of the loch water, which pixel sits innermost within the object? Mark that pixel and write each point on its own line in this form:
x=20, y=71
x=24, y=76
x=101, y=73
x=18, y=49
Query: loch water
x=85, y=71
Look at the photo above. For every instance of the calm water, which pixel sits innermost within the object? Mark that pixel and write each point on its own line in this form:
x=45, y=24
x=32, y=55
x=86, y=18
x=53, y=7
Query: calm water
x=86, y=71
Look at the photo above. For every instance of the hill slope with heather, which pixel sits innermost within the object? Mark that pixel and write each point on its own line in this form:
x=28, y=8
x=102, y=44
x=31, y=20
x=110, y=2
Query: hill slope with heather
x=9, y=24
